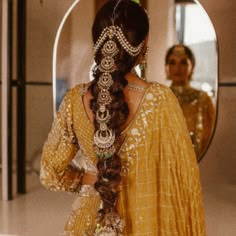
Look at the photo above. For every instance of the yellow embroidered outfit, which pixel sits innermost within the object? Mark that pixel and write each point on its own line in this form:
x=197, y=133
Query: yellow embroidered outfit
x=160, y=190
x=199, y=113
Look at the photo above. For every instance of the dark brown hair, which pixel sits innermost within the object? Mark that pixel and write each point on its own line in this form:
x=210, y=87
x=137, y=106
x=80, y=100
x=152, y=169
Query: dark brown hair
x=133, y=21
x=187, y=51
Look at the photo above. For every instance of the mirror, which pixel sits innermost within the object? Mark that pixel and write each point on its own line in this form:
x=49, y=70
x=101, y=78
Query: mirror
x=169, y=24
x=191, y=71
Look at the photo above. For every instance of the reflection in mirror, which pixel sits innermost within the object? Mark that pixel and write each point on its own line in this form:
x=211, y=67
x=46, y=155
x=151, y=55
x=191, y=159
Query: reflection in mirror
x=176, y=23
x=196, y=104
x=192, y=72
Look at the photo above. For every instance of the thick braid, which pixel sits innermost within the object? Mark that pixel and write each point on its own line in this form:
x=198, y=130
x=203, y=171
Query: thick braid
x=118, y=107
x=118, y=41
x=109, y=169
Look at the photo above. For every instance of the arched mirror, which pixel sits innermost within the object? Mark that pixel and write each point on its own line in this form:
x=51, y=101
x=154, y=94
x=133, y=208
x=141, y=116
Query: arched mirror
x=171, y=22
x=191, y=71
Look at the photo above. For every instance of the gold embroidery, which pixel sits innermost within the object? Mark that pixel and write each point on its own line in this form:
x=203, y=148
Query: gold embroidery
x=160, y=188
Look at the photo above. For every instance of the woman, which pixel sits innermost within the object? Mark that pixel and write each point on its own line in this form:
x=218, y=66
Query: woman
x=121, y=144
x=197, y=106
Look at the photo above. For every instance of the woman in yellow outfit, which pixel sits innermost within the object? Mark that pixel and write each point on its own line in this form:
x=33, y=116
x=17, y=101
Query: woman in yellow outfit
x=121, y=144
x=196, y=105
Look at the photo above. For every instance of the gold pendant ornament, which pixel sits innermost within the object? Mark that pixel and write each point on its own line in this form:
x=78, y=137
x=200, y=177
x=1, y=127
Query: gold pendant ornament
x=105, y=81
x=116, y=31
x=113, y=225
x=107, y=64
x=104, y=137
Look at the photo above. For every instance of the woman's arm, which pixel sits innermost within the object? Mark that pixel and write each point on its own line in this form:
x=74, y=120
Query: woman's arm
x=57, y=173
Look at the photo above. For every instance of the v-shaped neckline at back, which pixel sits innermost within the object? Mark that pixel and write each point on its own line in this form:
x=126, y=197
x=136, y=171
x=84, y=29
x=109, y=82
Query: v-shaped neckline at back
x=128, y=126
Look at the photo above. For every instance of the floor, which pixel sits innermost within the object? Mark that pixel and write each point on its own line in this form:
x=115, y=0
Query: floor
x=41, y=212
x=220, y=210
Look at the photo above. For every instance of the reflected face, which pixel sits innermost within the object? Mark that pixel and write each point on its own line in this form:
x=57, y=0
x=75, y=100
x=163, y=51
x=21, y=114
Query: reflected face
x=179, y=69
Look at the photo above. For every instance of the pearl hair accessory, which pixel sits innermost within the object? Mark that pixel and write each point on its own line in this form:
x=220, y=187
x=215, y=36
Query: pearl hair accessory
x=104, y=137
x=117, y=31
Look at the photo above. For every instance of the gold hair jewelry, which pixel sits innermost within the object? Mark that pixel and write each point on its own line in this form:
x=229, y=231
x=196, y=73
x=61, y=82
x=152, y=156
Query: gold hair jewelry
x=113, y=225
x=104, y=137
x=112, y=31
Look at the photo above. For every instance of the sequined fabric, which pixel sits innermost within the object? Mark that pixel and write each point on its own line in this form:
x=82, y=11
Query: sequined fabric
x=199, y=113
x=160, y=191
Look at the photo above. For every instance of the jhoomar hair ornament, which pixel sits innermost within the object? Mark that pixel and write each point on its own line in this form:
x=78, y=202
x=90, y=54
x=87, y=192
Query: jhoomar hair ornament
x=117, y=31
x=104, y=137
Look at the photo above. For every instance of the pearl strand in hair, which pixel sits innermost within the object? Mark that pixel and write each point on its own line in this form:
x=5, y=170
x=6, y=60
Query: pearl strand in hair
x=117, y=31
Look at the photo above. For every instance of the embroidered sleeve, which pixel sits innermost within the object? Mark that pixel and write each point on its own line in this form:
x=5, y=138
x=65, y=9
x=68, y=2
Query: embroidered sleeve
x=56, y=172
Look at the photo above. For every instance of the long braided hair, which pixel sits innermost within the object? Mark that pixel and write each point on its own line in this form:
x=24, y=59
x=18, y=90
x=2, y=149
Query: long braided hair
x=132, y=20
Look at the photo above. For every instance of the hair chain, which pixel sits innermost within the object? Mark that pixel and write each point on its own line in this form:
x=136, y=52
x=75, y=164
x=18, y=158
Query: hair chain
x=104, y=136
x=111, y=31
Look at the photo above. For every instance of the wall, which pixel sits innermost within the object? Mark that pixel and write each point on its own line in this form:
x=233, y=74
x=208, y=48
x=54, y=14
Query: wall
x=218, y=166
x=42, y=24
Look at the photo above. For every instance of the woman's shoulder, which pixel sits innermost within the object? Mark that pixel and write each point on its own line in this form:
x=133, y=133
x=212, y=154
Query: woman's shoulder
x=77, y=90
x=160, y=90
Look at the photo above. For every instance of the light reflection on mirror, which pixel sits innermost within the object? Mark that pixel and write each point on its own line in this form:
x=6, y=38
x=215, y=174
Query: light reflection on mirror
x=194, y=28
x=73, y=54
